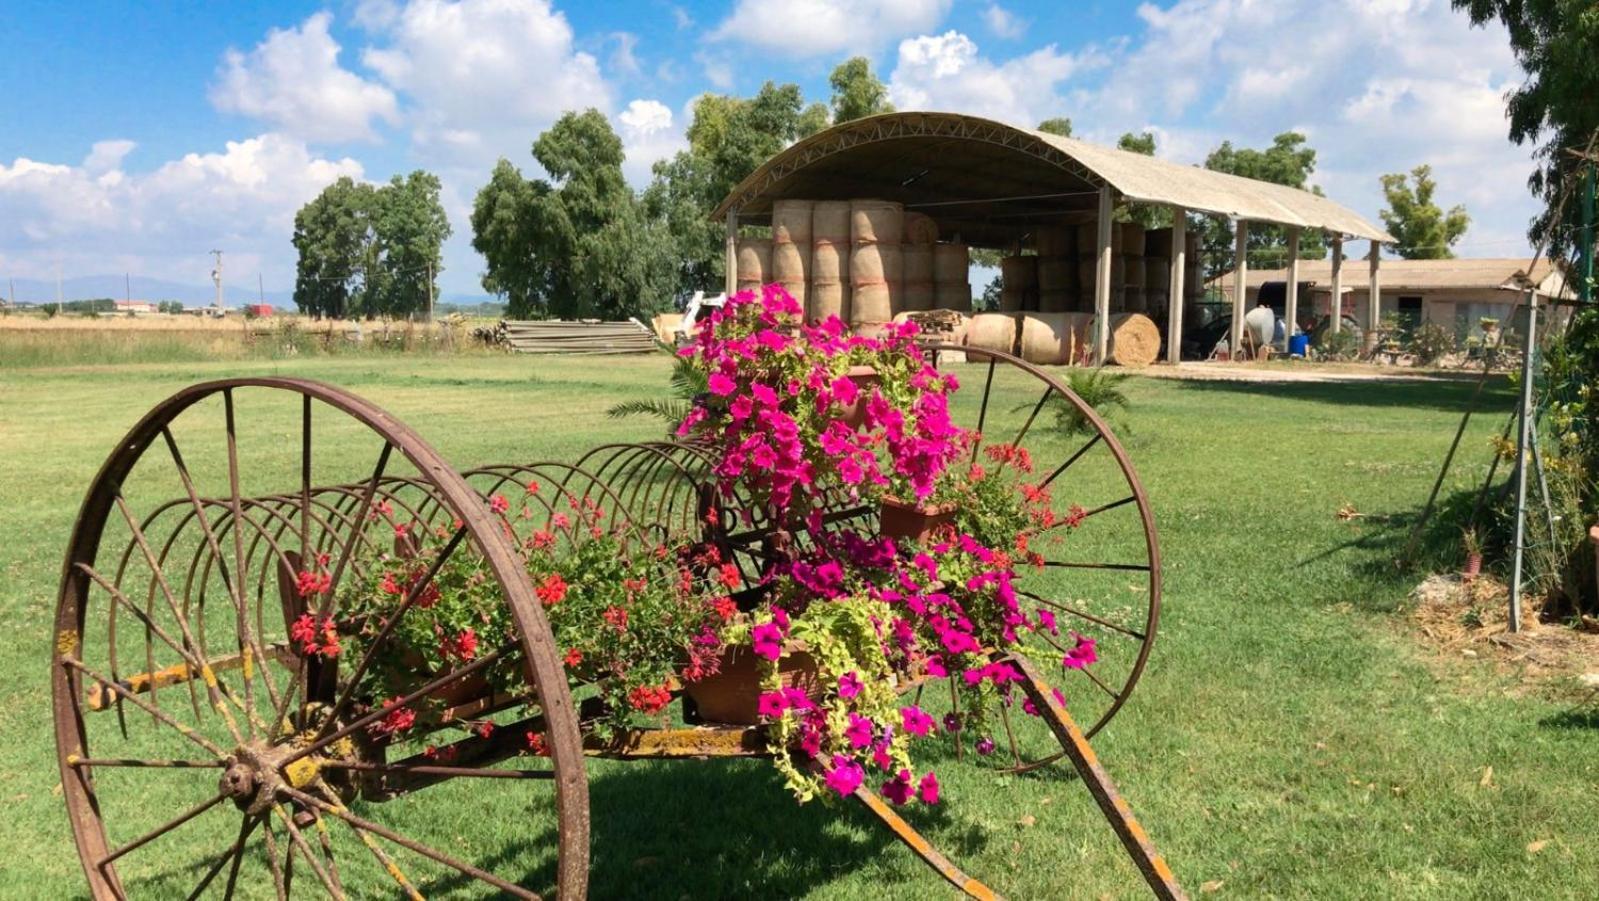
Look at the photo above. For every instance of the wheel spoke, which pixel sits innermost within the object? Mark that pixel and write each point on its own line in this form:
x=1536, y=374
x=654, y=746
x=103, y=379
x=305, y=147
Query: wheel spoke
x=233, y=854
x=383, y=858
x=297, y=840
x=1017, y=441
x=1070, y=460
x=245, y=638
x=982, y=412
x=1128, y=567
x=430, y=770
x=269, y=844
x=163, y=829
x=156, y=712
x=340, y=811
x=1064, y=608
x=75, y=760
x=358, y=520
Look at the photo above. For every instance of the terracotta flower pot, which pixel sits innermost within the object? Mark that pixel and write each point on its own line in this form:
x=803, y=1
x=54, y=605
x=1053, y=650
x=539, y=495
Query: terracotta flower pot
x=1473, y=568
x=732, y=694
x=901, y=521
x=865, y=379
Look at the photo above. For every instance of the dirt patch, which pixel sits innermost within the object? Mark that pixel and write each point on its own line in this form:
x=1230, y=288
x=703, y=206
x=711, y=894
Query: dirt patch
x=1468, y=620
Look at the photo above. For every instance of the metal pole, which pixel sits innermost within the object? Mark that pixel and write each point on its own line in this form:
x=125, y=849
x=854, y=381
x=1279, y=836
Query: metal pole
x=1240, y=288
x=1102, y=279
x=1174, y=295
x=1336, y=308
x=1291, y=302
x=1586, y=270
x=730, y=281
x=1523, y=423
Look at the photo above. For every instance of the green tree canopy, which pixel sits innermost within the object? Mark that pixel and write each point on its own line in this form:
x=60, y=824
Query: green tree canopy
x=857, y=93
x=370, y=250
x=1060, y=125
x=578, y=245
x=1288, y=161
x=1424, y=230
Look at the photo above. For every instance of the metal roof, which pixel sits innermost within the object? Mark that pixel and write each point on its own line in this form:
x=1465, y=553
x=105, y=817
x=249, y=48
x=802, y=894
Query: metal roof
x=1480, y=274
x=991, y=182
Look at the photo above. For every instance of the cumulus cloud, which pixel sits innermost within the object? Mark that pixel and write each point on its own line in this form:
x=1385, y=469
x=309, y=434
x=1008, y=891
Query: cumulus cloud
x=648, y=135
x=293, y=80
x=807, y=28
x=160, y=223
x=482, y=77
x=1003, y=23
x=946, y=72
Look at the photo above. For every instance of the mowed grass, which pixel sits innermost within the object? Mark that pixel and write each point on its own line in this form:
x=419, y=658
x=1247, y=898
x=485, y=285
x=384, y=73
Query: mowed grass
x=1289, y=739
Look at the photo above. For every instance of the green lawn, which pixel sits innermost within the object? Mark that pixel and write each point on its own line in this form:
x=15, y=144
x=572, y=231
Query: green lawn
x=1289, y=739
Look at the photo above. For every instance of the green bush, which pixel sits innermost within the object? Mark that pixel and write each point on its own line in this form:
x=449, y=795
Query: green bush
x=1432, y=342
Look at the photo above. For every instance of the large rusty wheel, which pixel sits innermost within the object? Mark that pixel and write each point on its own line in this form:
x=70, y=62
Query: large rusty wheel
x=203, y=753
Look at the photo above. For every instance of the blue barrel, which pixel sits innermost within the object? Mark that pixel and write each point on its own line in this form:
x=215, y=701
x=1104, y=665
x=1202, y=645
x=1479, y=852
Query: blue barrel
x=1298, y=345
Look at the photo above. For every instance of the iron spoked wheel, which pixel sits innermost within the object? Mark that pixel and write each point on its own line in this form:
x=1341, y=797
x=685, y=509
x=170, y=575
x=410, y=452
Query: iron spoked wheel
x=1096, y=572
x=205, y=753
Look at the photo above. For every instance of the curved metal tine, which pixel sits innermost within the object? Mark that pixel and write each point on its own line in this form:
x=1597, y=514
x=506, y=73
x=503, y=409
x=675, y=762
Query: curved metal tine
x=233, y=854
x=269, y=844
x=388, y=863
x=343, y=813
x=305, y=477
x=162, y=829
x=1010, y=733
x=1070, y=460
x=111, y=618
x=1073, y=611
x=982, y=412
x=389, y=624
x=246, y=642
x=228, y=522
x=349, y=545
x=298, y=841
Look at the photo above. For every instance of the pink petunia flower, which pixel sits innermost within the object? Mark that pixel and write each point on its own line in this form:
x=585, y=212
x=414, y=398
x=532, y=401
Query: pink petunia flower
x=849, y=685
x=845, y=775
x=898, y=789
x=1082, y=655
x=771, y=704
x=928, y=789
x=859, y=731
x=916, y=720
x=721, y=385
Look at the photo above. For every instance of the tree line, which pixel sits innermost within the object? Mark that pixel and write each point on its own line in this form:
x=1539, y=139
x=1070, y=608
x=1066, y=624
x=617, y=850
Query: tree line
x=580, y=242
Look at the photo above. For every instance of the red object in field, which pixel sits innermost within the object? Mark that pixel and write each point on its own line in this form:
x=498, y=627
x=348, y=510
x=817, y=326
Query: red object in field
x=260, y=309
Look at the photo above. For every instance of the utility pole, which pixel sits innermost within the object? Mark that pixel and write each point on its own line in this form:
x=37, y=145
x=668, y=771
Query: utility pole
x=58, y=288
x=430, y=292
x=216, y=276
x=1585, y=270
x=260, y=289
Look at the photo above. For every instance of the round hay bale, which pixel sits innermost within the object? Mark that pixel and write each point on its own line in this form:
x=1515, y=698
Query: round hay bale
x=992, y=331
x=798, y=290
x=877, y=263
x=951, y=263
x=1134, y=340
x=830, y=222
x=791, y=221
x=920, y=229
x=1055, y=241
x=871, y=329
x=754, y=260
x=1132, y=242
x=1057, y=274
x=1157, y=242
x=791, y=263
x=829, y=299
x=869, y=303
x=1133, y=271
x=876, y=222
x=916, y=262
x=915, y=297
x=1055, y=339
x=1012, y=300
x=1157, y=271
x=829, y=262
x=1057, y=301
x=953, y=296
x=1019, y=273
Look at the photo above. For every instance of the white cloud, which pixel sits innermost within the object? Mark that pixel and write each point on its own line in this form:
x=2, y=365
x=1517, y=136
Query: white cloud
x=946, y=72
x=647, y=136
x=623, y=59
x=806, y=28
x=482, y=77
x=1003, y=23
x=293, y=80
x=160, y=223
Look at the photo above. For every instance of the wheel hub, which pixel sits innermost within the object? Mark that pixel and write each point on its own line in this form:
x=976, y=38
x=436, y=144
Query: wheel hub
x=254, y=775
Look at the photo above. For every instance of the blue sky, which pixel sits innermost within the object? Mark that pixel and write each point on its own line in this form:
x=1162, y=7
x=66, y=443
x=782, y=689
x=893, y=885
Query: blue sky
x=136, y=138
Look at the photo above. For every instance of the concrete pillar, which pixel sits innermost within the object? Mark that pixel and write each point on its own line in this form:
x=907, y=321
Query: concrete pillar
x=731, y=281
x=1240, y=287
x=1374, y=298
x=1336, y=309
x=1291, y=308
x=1102, y=280
x=1174, y=309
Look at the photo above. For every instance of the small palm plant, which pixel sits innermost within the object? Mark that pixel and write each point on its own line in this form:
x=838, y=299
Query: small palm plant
x=687, y=383
x=1099, y=389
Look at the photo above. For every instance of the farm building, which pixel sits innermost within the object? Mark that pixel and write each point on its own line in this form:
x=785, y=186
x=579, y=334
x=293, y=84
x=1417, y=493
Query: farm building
x=1456, y=294
x=875, y=217
x=135, y=307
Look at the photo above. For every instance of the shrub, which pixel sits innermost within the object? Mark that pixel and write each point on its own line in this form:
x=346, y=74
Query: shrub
x=1432, y=342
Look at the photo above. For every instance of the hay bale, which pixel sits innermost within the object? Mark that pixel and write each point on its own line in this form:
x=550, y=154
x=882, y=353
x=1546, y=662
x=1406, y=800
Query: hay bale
x=876, y=222
x=869, y=303
x=1012, y=300
x=876, y=263
x=1158, y=302
x=1132, y=239
x=1132, y=271
x=1055, y=339
x=951, y=263
x=829, y=299
x=791, y=264
x=992, y=331
x=1057, y=274
x=1134, y=340
x=920, y=229
x=1055, y=241
x=1057, y=301
x=1135, y=300
x=1157, y=272
x=915, y=297
x=1018, y=273
x=1157, y=242
x=754, y=261
x=830, y=222
x=829, y=263
x=791, y=221
x=953, y=296
x=916, y=263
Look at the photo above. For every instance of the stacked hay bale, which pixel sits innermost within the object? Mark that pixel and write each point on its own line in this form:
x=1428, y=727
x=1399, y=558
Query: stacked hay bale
x=1057, y=339
x=1018, y=279
x=952, y=264
x=791, y=247
x=1134, y=299
x=1088, y=266
x=754, y=262
x=992, y=331
x=1157, y=272
x=830, y=278
x=876, y=262
x=1058, y=280
x=916, y=250
x=1193, y=273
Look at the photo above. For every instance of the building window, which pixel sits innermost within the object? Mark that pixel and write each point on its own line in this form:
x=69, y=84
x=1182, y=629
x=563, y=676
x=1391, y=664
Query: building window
x=1409, y=311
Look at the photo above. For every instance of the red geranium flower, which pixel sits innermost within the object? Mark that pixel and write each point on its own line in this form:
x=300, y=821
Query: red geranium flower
x=552, y=590
x=499, y=504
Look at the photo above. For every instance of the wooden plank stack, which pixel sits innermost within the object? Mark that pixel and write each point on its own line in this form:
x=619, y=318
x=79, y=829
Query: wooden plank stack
x=589, y=337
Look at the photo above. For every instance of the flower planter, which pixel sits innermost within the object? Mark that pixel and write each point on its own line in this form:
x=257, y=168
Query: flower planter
x=732, y=694
x=912, y=522
x=865, y=379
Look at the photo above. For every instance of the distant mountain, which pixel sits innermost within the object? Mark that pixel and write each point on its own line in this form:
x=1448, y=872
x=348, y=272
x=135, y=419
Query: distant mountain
x=89, y=287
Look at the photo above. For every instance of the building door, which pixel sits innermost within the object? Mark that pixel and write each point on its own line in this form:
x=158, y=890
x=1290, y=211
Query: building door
x=1409, y=310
